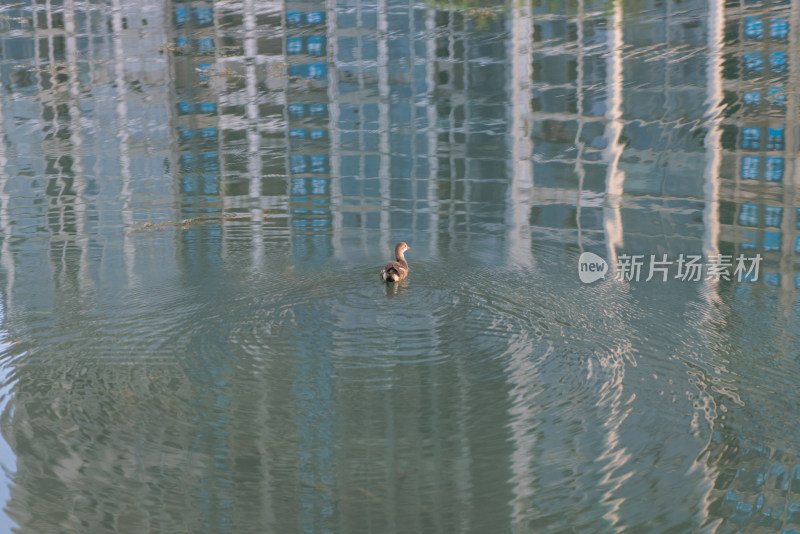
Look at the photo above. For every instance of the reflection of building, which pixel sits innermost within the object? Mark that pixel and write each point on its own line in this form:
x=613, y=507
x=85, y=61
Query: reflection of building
x=308, y=74
x=760, y=171
x=364, y=121
x=571, y=132
x=227, y=116
x=616, y=170
x=308, y=78
x=81, y=86
x=68, y=63
x=227, y=119
x=601, y=130
x=664, y=158
x=760, y=139
x=412, y=86
x=470, y=95
x=647, y=125
x=196, y=81
x=412, y=91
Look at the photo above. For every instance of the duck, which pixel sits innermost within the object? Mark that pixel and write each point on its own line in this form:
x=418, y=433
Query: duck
x=398, y=269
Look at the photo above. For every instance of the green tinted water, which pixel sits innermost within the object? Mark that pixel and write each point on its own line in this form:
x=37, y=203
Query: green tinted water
x=196, y=201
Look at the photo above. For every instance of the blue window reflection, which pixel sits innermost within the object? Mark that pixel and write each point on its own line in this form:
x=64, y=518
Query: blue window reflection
x=294, y=19
x=775, y=139
x=294, y=45
x=778, y=61
x=772, y=240
x=773, y=216
x=319, y=163
x=753, y=98
x=316, y=70
x=779, y=29
x=210, y=185
x=750, y=167
x=753, y=28
x=318, y=110
x=748, y=216
x=319, y=186
x=181, y=16
x=204, y=16
x=298, y=163
x=751, y=138
x=299, y=186
x=297, y=111
x=777, y=96
x=774, y=170
x=297, y=133
x=316, y=17
x=753, y=61
x=210, y=162
x=316, y=45
x=187, y=185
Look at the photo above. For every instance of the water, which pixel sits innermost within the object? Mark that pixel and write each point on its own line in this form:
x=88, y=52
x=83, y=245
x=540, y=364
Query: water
x=196, y=199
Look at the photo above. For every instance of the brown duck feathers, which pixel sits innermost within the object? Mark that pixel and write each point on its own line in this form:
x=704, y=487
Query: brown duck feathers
x=398, y=269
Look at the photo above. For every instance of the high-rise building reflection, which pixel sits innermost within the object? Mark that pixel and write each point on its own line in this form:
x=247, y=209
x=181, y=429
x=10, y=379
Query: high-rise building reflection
x=308, y=76
x=758, y=214
x=75, y=110
x=760, y=139
x=645, y=126
x=409, y=86
x=350, y=126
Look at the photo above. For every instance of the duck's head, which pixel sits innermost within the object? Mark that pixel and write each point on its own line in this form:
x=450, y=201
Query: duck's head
x=401, y=247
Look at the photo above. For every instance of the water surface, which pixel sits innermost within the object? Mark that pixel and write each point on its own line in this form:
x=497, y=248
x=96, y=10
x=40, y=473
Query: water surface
x=196, y=199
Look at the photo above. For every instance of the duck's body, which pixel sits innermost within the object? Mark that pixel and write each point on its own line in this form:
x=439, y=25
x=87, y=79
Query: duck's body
x=398, y=269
